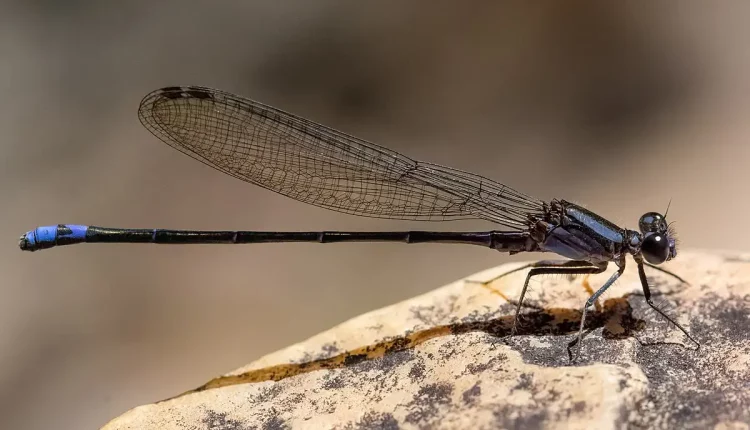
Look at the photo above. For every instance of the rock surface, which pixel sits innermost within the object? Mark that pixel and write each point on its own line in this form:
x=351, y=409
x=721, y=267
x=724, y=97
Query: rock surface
x=442, y=360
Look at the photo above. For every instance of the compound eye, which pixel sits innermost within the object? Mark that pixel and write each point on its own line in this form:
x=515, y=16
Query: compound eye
x=652, y=222
x=655, y=248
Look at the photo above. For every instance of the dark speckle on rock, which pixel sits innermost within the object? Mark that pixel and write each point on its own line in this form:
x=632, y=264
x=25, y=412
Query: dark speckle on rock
x=553, y=395
x=470, y=395
x=329, y=349
x=269, y=393
x=525, y=382
x=520, y=418
x=449, y=349
x=332, y=383
x=427, y=401
x=424, y=314
x=623, y=384
x=221, y=420
x=431, y=315
x=734, y=317
x=275, y=423
x=416, y=373
x=477, y=368
x=579, y=406
x=291, y=401
x=375, y=421
x=387, y=362
x=325, y=406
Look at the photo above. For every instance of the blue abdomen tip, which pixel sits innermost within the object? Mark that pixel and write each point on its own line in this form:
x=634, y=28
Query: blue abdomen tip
x=77, y=232
x=52, y=235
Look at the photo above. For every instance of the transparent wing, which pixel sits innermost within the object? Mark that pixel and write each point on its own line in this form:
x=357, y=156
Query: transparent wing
x=320, y=166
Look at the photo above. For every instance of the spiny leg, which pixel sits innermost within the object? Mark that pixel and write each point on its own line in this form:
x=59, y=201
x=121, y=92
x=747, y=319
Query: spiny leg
x=579, y=339
x=647, y=294
x=543, y=267
x=555, y=267
x=587, y=286
x=486, y=284
x=504, y=274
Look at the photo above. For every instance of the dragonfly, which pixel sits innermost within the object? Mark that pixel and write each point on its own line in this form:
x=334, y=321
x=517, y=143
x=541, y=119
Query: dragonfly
x=324, y=167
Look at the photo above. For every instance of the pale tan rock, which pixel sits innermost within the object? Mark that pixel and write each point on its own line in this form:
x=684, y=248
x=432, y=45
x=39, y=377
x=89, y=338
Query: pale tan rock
x=440, y=360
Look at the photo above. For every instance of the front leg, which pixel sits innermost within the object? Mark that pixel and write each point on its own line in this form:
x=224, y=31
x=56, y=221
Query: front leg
x=647, y=294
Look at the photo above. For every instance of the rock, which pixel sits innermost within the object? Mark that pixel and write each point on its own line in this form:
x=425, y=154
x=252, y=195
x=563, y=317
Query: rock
x=442, y=360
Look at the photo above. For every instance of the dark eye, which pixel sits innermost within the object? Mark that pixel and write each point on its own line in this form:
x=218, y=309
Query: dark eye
x=655, y=248
x=652, y=222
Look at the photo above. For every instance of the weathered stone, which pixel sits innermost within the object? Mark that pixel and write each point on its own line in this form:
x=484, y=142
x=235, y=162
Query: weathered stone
x=442, y=360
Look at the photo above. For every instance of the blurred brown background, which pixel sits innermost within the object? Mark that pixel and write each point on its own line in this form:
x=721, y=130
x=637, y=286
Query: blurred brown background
x=619, y=106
